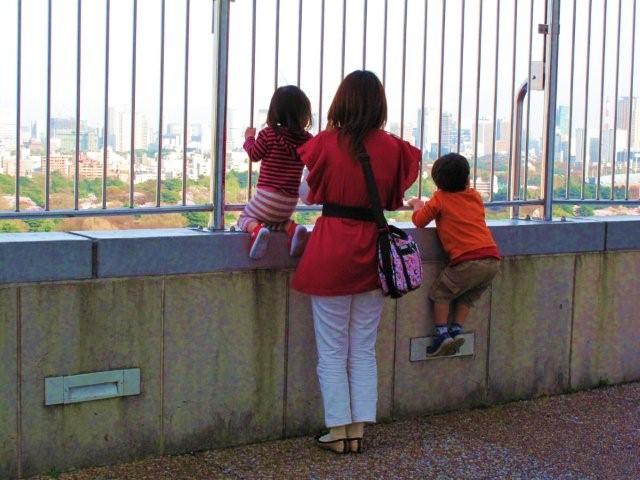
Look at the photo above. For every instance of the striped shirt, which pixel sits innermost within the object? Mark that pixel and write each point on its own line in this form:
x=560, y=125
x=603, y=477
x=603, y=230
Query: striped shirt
x=281, y=167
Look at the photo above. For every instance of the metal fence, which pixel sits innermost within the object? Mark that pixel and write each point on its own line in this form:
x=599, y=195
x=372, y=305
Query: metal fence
x=450, y=68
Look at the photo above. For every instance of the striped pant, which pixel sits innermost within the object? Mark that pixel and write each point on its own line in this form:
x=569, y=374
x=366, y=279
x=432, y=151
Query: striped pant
x=270, y=208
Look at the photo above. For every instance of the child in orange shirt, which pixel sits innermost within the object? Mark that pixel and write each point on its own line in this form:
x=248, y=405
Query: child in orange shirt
x=473, y=255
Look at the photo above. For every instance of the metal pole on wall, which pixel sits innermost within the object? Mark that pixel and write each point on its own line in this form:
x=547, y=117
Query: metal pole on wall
x=218, y=139
x=550, y=99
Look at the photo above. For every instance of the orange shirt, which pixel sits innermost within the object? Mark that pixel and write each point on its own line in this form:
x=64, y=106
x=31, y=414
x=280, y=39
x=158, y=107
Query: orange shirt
x=460, y=224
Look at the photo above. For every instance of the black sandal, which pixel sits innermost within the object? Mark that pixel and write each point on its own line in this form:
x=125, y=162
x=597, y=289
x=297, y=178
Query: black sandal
x=340, y=446
x=355, y=445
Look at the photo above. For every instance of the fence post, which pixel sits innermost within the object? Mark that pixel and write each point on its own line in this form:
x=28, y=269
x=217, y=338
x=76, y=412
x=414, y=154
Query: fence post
x=550, y=100
x=218, y=139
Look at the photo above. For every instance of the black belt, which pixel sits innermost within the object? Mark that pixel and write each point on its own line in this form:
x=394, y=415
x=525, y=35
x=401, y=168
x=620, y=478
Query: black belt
x=353, y=213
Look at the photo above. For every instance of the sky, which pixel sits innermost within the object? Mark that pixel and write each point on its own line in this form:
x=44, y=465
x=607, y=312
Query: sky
x=64, y=17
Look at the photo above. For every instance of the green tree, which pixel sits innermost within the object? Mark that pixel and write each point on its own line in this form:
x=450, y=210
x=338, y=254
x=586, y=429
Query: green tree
x=59, y=183
x=585, y=211
x=197, y=219
x=7, y=184
x=32, y=189
x=42, y=225
x=12, y=226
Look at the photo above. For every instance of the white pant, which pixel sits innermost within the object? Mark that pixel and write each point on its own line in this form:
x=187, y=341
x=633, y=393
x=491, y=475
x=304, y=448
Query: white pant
x=346, y=328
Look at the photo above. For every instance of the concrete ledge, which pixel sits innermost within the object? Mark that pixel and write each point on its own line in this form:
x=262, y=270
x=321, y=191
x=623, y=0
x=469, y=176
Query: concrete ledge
x=530, y=237
x=526, y=237
x=179, y=251
x=623, y=233
x=34, y=257
x=39, y=257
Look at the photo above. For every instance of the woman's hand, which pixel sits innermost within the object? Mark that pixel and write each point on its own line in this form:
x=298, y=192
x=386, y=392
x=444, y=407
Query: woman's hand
x=249, y=132
x=415, y=203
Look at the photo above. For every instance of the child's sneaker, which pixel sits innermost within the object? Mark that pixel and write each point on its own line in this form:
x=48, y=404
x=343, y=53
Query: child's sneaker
x=455, y=331
x=297, y=235
x=443, y=344
x=259, y=242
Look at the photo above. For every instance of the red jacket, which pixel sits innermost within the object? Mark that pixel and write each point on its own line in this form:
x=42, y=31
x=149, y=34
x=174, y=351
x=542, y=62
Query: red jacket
x=340, y=256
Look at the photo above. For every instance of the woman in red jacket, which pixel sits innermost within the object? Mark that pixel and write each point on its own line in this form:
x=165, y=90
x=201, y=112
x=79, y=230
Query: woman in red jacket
x=338, y=268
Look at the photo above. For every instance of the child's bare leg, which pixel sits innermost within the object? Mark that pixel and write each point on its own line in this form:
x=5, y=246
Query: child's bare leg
x=461, y=313
x=440, y=314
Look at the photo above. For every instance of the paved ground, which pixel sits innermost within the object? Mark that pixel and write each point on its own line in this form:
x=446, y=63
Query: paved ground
x=587, y=435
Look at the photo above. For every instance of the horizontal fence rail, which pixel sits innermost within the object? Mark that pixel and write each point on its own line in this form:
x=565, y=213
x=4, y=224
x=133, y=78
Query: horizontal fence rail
x=450, y=70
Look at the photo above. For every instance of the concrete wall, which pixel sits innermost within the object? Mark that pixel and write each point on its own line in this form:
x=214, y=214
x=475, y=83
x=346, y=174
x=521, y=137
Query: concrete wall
x=228, y=357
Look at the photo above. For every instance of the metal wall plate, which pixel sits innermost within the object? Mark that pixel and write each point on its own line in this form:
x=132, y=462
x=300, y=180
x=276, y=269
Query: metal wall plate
x=537, y=76
x=86, y=387
x=418, y=347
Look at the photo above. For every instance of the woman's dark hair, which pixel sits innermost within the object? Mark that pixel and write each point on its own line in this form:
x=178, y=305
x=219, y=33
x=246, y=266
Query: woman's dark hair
x=358, y=107
x=289, y=108
x=451, y=172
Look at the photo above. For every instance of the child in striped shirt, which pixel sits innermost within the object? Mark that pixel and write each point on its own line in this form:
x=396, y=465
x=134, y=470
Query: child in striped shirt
x=276, y=195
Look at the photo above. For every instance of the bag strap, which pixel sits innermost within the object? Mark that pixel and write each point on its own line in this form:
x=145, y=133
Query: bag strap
x=372, y=189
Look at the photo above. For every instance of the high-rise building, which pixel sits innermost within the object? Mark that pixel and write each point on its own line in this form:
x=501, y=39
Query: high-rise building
x=562, y=120
x=120, y=130
x=579, y=139
x=484, y=137
x=624, y=104
x=594, y=152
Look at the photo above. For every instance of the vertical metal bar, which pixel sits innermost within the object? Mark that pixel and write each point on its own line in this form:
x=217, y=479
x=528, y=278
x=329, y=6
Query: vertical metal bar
x=631, y=101
x=105, y=131
x=526, y=140
x=299, y=40
x=513, y=93
x=604, y=50
x=344, y=34
x=475, y=148
x=571, y=77
x=18, y=105
x=615, y=108
x=161, y=106
x=551, y=76
x=461, y=76
x=384, y=44
x=47, y=175
x=424, y=84
x=321, y=66
x=404, y=69
x=516, y=152
x=586, y=104
x=495, y=104
x=277, y=52
x=220, y=120
x=442, y=37
x=133, y=104
x=253, y=93
x=364, y=34
x=185, y=113
x=76, y=173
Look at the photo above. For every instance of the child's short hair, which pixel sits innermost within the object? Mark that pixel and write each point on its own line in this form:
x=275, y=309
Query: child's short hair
x=289, y=108
x=451, y=172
